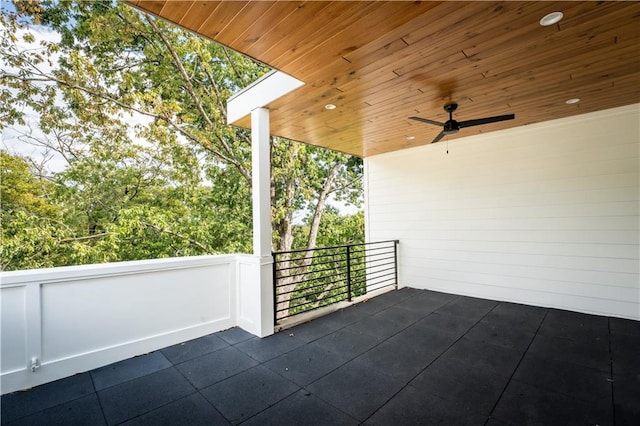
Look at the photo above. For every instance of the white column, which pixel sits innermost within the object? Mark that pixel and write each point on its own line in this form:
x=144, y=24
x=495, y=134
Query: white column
x=261, y=195
x=261, y=181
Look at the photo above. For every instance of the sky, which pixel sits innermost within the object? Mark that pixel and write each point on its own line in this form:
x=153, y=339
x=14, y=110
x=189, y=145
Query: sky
x=11, y=140
x=7, y=6
x=13, y=137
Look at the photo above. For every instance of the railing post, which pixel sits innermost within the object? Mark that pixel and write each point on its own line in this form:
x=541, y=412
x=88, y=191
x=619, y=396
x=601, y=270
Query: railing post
x=275, y=289
x=349, y=273
x=395, y=260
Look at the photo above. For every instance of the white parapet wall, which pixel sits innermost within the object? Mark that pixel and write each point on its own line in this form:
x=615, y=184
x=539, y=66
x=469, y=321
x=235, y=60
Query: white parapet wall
x=255, y=294
x=62, y=321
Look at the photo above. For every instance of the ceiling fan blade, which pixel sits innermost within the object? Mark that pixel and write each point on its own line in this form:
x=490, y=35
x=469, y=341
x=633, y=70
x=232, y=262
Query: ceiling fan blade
x=440, y=136
x=487, y=120
x=426, y=120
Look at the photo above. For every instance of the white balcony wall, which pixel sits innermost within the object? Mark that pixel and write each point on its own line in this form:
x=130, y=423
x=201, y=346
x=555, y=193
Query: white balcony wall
x=545, y=214
x=255, y=308
x=74, y=319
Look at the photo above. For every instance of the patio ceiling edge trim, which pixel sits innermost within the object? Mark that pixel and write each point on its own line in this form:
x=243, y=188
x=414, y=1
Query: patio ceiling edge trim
x=267, y=89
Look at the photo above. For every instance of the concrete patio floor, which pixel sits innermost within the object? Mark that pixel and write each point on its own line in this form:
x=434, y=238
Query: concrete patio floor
x=406, y=357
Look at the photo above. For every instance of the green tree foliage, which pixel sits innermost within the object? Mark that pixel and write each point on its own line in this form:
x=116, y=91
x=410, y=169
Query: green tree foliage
x=31, y=221
x=325, y=279
x=335, y=229
x=136, y=108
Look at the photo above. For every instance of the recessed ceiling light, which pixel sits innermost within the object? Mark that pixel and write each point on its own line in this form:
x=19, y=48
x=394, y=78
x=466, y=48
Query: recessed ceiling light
x=410, y=138
x=572, y=101
x=551, y=18
x=330, y=106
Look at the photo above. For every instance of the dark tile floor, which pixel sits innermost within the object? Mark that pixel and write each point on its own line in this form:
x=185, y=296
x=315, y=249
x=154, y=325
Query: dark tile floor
x=406, y=357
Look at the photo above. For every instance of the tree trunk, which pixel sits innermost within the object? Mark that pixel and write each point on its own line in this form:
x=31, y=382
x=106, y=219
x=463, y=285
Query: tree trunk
x=286, y=267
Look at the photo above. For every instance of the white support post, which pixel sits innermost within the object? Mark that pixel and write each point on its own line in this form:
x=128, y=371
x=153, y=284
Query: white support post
x=261, y=194
x=255, y=276
x=261, y=182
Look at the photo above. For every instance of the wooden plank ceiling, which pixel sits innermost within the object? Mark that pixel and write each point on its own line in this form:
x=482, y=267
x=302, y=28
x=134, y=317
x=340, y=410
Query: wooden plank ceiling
x=381, y=62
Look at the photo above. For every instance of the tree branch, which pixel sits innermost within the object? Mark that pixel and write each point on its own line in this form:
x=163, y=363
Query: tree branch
x=198, y=244
x=194, y=96
x=84, y=238
x=233, y=65
x=212, y=81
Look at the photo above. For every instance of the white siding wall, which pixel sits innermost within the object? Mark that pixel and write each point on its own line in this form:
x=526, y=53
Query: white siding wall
x=546, y=214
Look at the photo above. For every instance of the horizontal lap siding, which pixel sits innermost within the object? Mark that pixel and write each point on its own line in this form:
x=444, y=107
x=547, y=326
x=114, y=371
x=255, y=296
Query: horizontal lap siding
x=545, y=214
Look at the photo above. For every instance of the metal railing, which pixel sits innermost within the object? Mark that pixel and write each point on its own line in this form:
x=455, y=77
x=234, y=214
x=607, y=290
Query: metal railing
x=310, y=279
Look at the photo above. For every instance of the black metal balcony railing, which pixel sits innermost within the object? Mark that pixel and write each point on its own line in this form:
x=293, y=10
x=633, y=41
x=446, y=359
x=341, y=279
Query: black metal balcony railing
x=309, y=279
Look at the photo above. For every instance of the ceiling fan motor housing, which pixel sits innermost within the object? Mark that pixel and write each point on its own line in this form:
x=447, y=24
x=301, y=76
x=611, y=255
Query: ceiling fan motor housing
x=451, y=127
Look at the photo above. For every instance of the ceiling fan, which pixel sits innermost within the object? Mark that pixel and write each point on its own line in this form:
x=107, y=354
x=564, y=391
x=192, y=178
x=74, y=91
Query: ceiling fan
x=452, y=126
